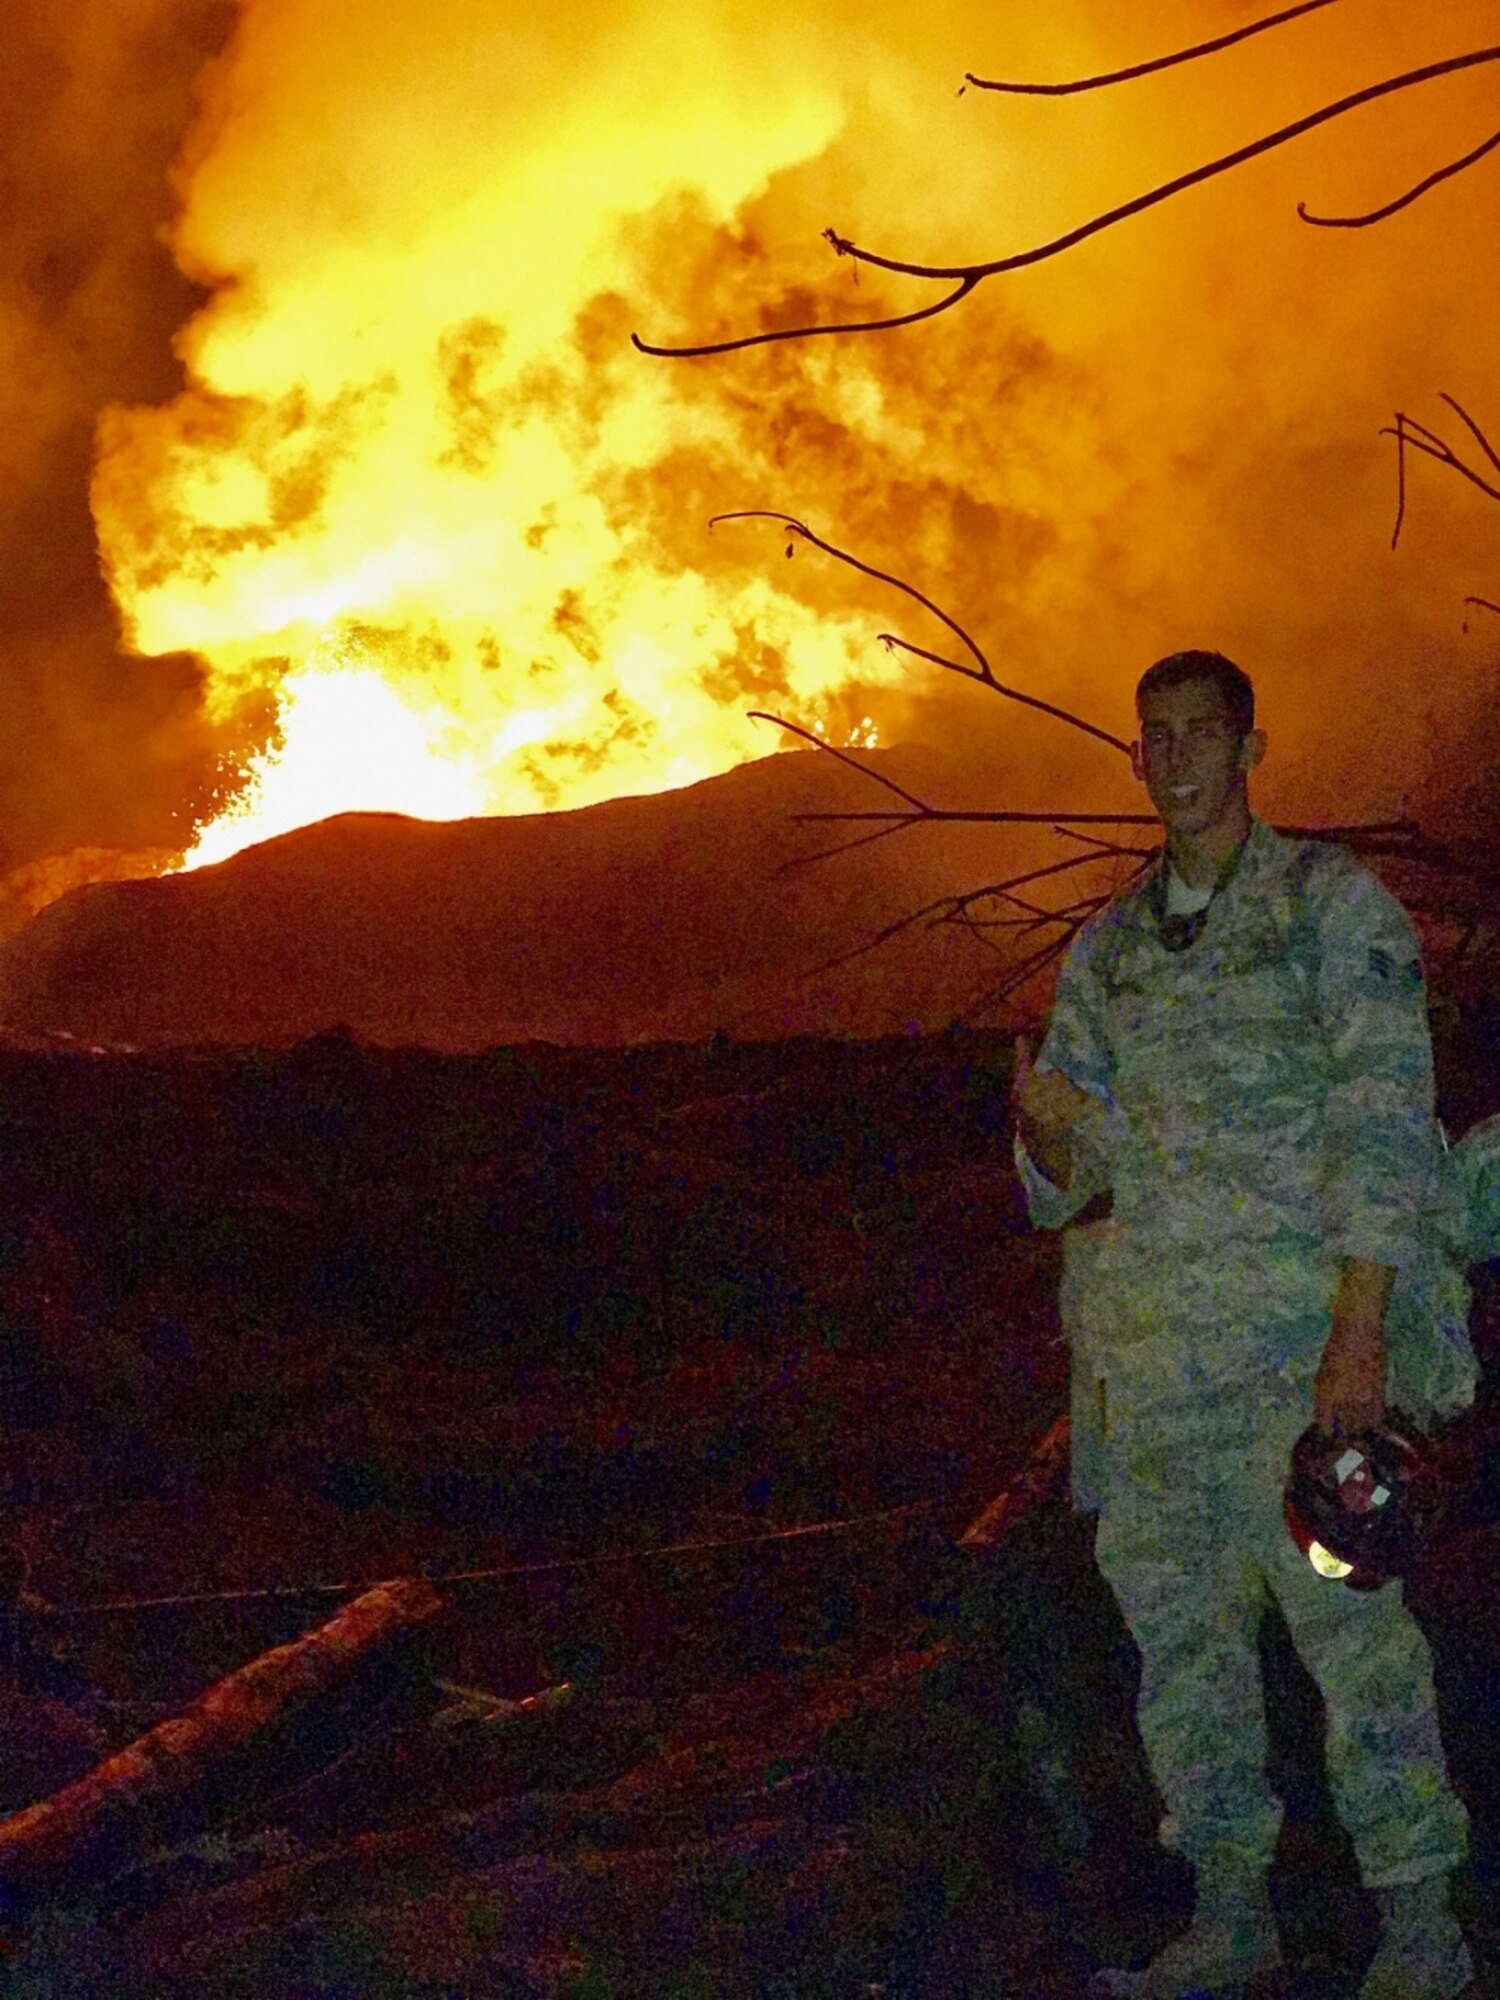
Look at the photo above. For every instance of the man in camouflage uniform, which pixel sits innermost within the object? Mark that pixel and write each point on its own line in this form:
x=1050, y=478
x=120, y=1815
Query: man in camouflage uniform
x=1239, y=1053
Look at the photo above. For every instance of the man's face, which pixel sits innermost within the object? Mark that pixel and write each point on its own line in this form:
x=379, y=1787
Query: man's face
x=1191, y=760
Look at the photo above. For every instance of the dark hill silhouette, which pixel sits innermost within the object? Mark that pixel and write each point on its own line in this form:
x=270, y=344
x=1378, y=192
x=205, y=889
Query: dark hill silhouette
x=639, y=919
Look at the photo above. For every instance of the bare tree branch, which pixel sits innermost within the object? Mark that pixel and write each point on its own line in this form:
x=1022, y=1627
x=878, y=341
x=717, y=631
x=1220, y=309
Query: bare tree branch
x=939, y=910
x=1407, y=80
x=918, y=809
x=1147, y=68
x=1484, y=444
x=1414, y=436
x=966, y=277
x=981, y=671
x=938, y=817
x=960, y=291
x=1402, y=200
x=797, y=861
x=1093, y=840
x=1396, y=839
x=879, y=938
x=987, y=679
x=1020, y=974
x=797, y=527
x=1038, y=920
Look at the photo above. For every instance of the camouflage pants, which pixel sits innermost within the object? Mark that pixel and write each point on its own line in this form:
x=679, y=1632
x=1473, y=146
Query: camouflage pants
x=1193, y=1543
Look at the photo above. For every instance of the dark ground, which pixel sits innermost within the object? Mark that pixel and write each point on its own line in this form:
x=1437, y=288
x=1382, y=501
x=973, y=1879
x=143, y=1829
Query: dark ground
x=336, y=1314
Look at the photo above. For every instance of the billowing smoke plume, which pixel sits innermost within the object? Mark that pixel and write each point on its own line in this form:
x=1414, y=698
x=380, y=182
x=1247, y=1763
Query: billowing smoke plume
x=96, y=751
x=439, y=536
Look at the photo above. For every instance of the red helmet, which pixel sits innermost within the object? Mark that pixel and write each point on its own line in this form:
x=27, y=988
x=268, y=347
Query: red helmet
x=1361, y=1507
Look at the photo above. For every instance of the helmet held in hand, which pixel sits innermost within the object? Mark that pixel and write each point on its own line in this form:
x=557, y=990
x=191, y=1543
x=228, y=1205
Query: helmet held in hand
x=1360, y=1507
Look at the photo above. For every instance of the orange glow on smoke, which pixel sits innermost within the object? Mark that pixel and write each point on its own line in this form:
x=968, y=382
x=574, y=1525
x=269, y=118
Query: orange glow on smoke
x=439, y=538
x=392, y=499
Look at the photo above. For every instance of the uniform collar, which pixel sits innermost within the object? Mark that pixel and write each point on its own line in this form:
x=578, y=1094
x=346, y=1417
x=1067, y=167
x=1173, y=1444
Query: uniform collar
x=1244, y=858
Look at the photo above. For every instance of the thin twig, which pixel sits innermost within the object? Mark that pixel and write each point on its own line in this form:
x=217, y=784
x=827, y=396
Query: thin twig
x=940, y=816
x=1093, y=840
x=989, y=944
x=1399, y=433
x=960, y=291
x=1020, y=975
x=1455, y=405
x=1402, y=200
x=880, y=937
x=797, y=527
x=1409, y=434
x=1446, y=455
x=1407, y=80
x=965, y=922
x=1147, y=68
x=971, y=275
x=943, y=903
x=894, y=639
x=818, y=742
x=797, y=861
x=981, y=671
x=1062, y=867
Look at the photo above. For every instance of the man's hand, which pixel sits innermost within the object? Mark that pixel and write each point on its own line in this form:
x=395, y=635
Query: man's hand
x=1349, y=1392
x=1046, y=1106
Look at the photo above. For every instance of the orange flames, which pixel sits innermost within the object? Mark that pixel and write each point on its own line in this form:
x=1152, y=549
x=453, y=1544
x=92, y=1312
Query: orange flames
x=439, y=537
x=393, y=498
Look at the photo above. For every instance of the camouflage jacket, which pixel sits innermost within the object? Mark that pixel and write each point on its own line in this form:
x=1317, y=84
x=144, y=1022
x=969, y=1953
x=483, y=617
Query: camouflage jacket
x=1268, y=1088
x=1262, y=1106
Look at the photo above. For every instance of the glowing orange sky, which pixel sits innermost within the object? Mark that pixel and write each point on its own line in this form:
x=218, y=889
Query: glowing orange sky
x=437, y=536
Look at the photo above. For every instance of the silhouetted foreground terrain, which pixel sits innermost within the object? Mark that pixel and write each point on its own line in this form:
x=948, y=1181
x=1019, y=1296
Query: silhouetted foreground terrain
x=280, y=1320
x=644, y=919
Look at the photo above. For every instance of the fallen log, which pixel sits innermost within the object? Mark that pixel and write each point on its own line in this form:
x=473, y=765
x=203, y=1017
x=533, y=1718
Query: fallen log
x=96, y=1827
x=1042, y=1477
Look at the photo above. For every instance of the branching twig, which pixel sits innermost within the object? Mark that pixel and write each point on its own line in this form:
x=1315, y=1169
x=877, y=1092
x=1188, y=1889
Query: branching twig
x=1402, y=200
x=919, y=810
x=797, y=861
x=1398, y=839
x=1484, y=444
x=987, y=679
x=936, y=911
x=797, y=527
x=1093, y=840
x=981, y=671
x=966, y=277
x=939, y=816
x=1147, y=68
x=1409, y=434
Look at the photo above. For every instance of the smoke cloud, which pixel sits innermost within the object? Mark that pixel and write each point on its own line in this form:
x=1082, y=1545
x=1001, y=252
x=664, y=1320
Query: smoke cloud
x=95, y=750
x=421, y=531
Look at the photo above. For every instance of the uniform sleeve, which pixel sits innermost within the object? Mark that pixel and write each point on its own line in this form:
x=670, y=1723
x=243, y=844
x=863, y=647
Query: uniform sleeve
x=1380, y=1157
x=1076, y=1046
x=1475, y=1166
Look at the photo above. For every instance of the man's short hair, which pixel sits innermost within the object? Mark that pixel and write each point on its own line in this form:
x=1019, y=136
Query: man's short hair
x=1181, y=669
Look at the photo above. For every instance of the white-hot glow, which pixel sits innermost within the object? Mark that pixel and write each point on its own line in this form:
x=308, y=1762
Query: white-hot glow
x=349, y=744
x=1326, y=1563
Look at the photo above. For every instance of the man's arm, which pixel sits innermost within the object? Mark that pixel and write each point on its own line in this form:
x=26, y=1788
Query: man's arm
x=1047, y=1107
x=1349, y=1392
x=1067, y=1129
